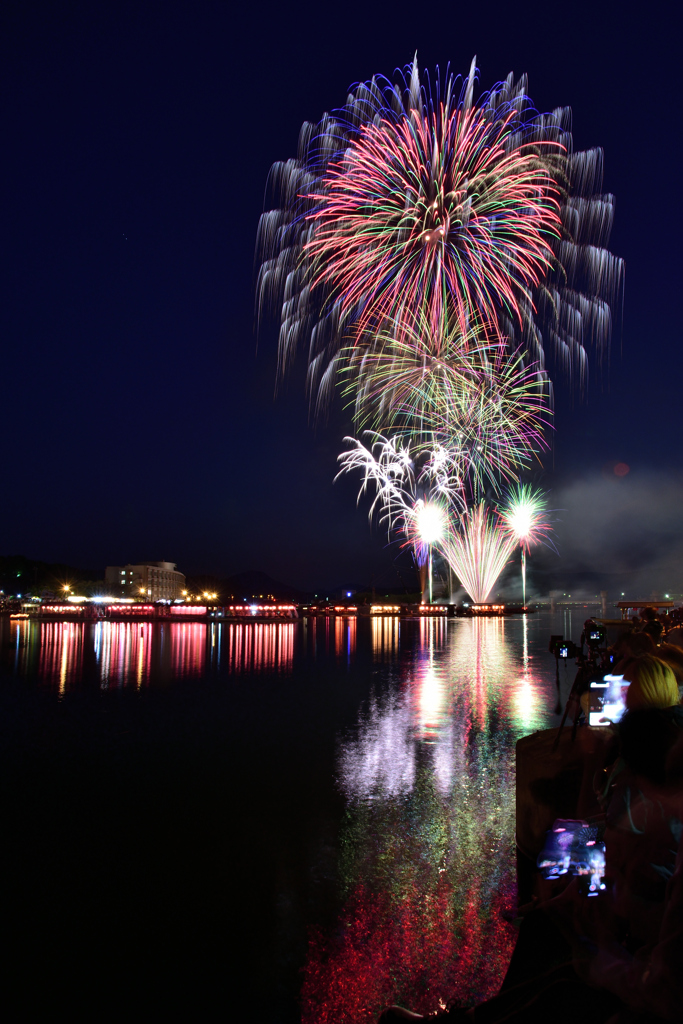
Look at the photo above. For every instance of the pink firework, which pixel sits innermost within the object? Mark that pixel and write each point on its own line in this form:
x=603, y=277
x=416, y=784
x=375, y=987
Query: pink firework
x=425, y=204
x=440, y=208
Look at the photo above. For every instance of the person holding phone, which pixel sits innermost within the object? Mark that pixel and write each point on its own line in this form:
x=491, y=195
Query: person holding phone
x=615, y=959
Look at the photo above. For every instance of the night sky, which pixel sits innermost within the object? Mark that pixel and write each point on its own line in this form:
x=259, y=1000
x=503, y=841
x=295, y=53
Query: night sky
x=139, y=417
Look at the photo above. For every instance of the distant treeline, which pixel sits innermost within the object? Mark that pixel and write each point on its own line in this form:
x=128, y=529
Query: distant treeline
x=21, y=575
x=249, y=586
x=29, y=577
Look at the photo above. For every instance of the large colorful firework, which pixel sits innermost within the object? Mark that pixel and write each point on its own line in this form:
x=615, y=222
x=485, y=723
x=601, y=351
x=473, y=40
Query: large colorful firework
x=414, y=201
x=432, y=250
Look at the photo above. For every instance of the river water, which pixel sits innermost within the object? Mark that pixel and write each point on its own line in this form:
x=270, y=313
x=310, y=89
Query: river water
x=314, y=819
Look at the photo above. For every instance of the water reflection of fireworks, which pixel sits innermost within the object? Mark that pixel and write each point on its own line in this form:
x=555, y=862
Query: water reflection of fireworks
x=428, y=849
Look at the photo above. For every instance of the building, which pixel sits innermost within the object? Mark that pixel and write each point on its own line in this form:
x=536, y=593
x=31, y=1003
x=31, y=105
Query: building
x=149, y=581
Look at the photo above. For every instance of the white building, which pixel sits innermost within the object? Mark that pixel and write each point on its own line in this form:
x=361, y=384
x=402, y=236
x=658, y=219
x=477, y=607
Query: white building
x=149, y=581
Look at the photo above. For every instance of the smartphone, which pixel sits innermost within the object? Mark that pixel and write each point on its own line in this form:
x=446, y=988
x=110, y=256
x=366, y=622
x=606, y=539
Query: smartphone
x=555, y=858
x=607, y=700
x=591, y=868
x=575, y=847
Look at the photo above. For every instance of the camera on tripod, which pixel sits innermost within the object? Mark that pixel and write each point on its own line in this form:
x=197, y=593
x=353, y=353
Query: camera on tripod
x=592, y=677
x=593, y=634
x=562, y=648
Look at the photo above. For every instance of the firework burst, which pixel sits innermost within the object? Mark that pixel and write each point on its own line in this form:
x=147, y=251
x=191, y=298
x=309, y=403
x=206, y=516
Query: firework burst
x=405, y=483
x=478, y=551
x=414, y=492
x=483, y=404
x=525, y=519
x=525, y=516
x=431, y=207
x=415, y=379
x=416, y=201
x=433, y=251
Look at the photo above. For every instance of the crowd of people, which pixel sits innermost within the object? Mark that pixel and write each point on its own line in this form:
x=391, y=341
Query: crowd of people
x=618, y=958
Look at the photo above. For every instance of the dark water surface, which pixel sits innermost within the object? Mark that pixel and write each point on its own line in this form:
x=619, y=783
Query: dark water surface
x=271, y=822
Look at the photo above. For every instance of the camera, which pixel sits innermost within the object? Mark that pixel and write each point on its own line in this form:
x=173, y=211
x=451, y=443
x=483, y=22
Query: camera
x=593, y=634
x=564, y=648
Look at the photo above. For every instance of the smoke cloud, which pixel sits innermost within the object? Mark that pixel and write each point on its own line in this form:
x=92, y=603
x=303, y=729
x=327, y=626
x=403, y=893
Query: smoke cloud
x=614, y=533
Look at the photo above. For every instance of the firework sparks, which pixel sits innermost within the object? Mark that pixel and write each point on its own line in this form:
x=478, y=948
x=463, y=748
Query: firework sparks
x=425, y=528
x=498, y=427
x=478, y=551
x=483, y=403
x=525, y=518
x=415, y=503
x=417, y=199
x=435, y=250
x=430, y=521
x=401, y=480
x=394, y=228
x=484, y=406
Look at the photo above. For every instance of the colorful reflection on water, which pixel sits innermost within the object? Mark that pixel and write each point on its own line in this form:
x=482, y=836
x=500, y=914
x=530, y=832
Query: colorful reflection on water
x=426, y=851
x=123, y=651
x=386, y=634
x=428, y=844
x=259, y=647
x=329, y=635
x=61, y=652
x=135, y=654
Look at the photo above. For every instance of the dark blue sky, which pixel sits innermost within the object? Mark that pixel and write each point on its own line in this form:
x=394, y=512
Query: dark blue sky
x=139, y=419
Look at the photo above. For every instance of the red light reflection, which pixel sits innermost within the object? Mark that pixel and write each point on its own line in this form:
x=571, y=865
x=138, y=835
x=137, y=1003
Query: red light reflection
x=188, y=648
x=433, y=633
x=407, y=949
x=260, y=646
x=61, y=652
x=124, y=652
